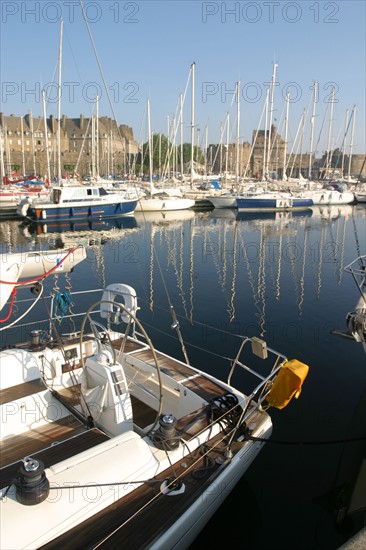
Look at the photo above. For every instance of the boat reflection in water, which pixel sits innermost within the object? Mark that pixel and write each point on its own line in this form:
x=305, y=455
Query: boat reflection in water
x=274, y=215
x=126, y=222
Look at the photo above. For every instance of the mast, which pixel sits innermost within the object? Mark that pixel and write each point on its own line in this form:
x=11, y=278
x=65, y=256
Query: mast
x=97, y=137
x=159, y=156
x=168, y=147
x=344, y=142
x=3, y=174
x=237, y=132
x=33, y=151
x=150, y=146
x=265, y=138
x=7, y=152
x=93, y=146
x=312, y=123
x=286, y=136
x=23, y=154
x=330, y=131
x=174, y=148
x=181, y=135
x=46, y=136
x=272, y=88
x=227, y=146
x=112, y=154
x=59, y=107
x=221, y=134
x=302, y=140
x=206, y=147
x=192, y=122
x=351, y=144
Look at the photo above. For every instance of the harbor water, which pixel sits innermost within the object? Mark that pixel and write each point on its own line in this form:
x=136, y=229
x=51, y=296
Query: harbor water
x=277, y=276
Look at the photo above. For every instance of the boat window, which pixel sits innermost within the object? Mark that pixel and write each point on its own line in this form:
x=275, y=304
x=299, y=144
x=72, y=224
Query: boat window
x=102, y=191
x=56, y=195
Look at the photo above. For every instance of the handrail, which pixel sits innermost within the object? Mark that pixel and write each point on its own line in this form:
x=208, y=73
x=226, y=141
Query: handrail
x=236, y=362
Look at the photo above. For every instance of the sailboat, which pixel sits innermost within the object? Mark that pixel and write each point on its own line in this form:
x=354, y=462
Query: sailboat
x=106, y=441
x=159, y=199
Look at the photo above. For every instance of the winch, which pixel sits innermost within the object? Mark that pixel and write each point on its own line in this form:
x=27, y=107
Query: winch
x=32, y=485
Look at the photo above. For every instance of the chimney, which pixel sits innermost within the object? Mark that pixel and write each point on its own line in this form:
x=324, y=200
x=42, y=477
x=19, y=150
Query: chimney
x=2, y=120
x=81, y=122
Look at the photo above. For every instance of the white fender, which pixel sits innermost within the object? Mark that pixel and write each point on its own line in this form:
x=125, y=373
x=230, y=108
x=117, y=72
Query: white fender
x=124, y=291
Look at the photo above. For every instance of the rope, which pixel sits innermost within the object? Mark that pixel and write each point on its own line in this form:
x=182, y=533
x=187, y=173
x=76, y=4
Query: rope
x=25, y=313
x=63, y=302
x=13, y=293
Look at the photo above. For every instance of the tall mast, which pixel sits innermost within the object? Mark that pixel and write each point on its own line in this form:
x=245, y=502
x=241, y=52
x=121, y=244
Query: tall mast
x=59, y=107
x=221, y=134
x=112, y=153
x=33, y=149
x=97, y=137
x=22, y=140
x=237, y=131
x=46, y=136
x=265, y=138
x=150, y=146
x=351, y=144
x=93, y=146
x=344, y=142
x=168, y=146
x=192, y=122
x=227, y=145
x=302, y=139
x=312, y=123
x=206, y=147
x=3, y=174
x=272, y=89
x=181, y=135
x=286, y=136
x=159, y=156
x=329, y=156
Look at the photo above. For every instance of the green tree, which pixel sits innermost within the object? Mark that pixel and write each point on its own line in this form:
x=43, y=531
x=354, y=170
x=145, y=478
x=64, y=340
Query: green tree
x=160, y=146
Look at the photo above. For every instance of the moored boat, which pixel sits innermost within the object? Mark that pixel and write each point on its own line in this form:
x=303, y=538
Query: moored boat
x=107, y=441
x=272, y=201
x=76, y=202
x=330, y=196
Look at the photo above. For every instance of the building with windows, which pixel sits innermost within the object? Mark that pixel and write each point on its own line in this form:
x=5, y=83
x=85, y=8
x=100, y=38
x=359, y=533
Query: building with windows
x=87, y=145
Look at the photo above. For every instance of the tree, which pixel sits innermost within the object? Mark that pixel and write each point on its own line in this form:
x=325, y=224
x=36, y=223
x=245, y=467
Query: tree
x=160, y=147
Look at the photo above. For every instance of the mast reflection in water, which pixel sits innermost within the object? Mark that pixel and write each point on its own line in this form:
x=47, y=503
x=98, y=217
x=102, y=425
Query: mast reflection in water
x=277, y=276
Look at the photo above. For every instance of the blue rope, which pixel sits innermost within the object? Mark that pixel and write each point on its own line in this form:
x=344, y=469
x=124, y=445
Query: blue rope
x=63, y=302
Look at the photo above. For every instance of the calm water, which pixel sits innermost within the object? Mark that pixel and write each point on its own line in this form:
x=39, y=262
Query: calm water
x=281, y=278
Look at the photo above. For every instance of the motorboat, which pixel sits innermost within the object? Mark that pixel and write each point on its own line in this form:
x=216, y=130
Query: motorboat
x=76, y=202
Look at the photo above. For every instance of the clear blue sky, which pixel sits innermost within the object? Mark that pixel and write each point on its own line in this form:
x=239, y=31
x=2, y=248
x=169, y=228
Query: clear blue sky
x=146, y=49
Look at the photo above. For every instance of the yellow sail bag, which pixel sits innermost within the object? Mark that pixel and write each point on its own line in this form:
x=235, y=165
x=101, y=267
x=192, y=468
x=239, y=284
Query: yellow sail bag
x=287, y=384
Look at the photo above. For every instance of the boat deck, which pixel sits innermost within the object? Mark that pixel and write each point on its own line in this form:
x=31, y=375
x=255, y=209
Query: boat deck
x=131, y=521
x=184, y=374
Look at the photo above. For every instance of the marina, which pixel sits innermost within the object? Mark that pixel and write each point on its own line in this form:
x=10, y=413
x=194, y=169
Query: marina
x=268, y=275
x=183, y=275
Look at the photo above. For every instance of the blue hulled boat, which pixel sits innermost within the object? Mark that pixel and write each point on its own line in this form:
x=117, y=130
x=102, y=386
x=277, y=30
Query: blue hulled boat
x=272, y=202
x=76, y=202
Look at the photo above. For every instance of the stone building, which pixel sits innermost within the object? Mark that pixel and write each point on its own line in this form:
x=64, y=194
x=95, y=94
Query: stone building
x=87, y=146
x=275, y=161
x=221, y=158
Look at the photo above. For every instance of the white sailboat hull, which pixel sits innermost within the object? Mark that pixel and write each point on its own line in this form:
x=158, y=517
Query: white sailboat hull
x=159, y=204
